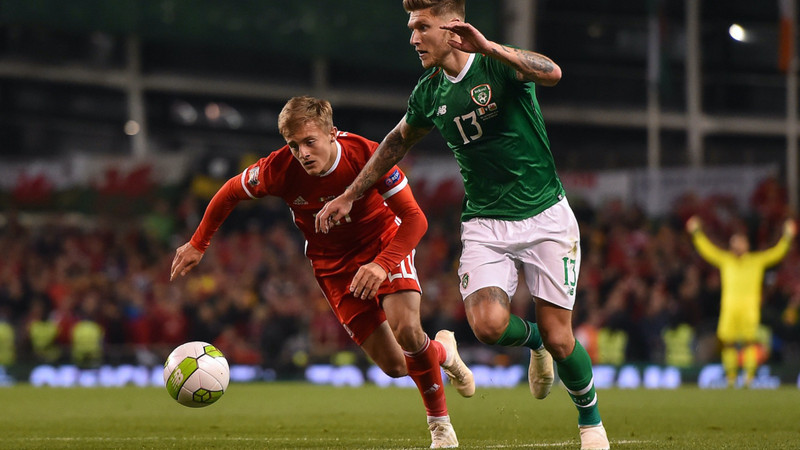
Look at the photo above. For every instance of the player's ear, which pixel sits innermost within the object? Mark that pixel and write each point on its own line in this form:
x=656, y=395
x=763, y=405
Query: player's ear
x=334, y=132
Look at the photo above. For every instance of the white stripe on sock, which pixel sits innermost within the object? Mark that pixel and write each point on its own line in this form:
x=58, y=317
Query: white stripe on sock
x=582, y=391
x=445, y=419
x=421, y=350
x=592, y=403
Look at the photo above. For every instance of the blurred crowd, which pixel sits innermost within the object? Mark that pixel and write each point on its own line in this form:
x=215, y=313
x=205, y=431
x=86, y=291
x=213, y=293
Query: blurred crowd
x=98, y=291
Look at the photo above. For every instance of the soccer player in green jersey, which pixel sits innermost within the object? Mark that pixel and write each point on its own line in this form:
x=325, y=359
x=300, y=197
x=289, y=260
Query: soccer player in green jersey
x=480, y=95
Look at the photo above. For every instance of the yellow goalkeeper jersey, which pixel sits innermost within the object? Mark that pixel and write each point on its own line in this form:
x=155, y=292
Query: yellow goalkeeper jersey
x=741, y=276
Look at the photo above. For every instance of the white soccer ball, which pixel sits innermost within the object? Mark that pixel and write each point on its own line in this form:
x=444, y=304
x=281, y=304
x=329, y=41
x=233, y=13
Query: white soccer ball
x=196, y=374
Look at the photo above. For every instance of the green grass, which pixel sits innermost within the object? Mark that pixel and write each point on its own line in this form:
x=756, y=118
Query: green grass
x=295, y=415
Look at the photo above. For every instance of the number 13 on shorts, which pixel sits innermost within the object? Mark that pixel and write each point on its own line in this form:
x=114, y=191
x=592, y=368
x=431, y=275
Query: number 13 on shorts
x=570, y=275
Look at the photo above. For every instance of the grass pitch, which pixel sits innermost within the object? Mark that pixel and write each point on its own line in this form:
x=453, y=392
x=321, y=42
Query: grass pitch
x=297, y=415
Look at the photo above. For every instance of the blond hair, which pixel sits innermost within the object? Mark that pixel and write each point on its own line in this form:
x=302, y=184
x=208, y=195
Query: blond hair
x=299, y=111
x=439, y=8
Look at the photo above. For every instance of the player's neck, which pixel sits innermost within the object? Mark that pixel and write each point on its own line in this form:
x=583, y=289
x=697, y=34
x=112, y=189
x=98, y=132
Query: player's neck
x=455, y=62
x=334, y=155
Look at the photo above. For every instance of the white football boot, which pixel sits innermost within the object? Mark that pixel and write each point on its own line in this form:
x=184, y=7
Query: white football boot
x=594, y=438
x=540, y=373
x=458, y=372
x=442, y=433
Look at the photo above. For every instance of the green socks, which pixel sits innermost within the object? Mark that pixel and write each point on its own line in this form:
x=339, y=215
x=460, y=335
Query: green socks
x=520, y=333
x=575, y=372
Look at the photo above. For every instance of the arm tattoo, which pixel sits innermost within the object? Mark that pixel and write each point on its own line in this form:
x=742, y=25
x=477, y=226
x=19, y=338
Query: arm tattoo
x=528, y=63
x=388, y=153
x=534, y=62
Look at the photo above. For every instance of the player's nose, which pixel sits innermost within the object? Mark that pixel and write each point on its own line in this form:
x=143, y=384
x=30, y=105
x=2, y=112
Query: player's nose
x=414, y=38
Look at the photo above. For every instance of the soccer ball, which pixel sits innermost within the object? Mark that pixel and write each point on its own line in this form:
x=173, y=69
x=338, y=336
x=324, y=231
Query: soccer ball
x=196, y=374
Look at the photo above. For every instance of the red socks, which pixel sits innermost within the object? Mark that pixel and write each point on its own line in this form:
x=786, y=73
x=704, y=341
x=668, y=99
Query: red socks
x=423, y=368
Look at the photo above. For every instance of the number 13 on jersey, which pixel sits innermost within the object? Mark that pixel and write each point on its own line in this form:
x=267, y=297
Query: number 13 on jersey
x=472, y=118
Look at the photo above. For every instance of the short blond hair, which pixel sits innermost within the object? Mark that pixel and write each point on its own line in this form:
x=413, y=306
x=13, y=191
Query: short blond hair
x=438, y=7
x=299, y=111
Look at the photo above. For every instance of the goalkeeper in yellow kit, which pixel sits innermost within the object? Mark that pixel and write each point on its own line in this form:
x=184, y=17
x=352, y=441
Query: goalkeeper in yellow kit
x=742, y=274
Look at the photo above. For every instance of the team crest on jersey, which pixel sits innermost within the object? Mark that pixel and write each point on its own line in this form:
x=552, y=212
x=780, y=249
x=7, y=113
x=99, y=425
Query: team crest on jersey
x=481, y=94
x=392, y=179
x=465, y=280
x=252, y=176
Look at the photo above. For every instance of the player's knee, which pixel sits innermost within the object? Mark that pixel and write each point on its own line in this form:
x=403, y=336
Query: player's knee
x=409, y=335
x=395, y=370
x=560, y=344
x=488, y=332
x=487, y=313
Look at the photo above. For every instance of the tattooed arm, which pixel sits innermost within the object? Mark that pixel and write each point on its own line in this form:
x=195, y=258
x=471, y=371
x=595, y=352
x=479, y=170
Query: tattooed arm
x=530, y=66
x=390, y=151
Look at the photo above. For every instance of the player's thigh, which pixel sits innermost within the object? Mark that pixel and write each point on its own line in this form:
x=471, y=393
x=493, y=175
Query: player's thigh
x=485, y=260
x=402, y=314
x=402, y=309
x=737, y=328
x=359, y=317
x=400, y=296
x=551, y=263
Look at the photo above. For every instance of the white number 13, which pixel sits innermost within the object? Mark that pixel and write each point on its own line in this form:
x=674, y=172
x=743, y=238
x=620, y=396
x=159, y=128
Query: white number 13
x=474, y=118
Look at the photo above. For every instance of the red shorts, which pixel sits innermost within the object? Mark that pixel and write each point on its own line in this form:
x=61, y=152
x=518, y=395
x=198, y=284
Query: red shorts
x=361, y=317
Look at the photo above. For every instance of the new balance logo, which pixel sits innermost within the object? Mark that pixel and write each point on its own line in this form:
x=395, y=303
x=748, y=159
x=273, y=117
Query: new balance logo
x=442, y=110
x=299, y=201
x=432, y=389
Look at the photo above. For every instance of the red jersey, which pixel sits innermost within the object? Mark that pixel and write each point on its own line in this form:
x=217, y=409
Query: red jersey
x=367, y=233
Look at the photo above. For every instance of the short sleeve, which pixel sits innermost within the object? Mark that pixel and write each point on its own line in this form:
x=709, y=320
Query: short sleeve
x=420, y=108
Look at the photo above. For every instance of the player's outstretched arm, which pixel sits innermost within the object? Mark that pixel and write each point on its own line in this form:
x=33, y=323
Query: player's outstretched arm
x=530, y=66
x=390, y=151
x=776, y=253
x=711, y=253
x=224, y=201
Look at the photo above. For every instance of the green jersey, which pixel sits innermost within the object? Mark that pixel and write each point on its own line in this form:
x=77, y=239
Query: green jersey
x=492, y=123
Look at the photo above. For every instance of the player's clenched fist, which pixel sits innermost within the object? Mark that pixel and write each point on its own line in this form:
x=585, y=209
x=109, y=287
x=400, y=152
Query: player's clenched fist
x=693, y=224
x=367, y=281
x=186, y=257
x=790, y=228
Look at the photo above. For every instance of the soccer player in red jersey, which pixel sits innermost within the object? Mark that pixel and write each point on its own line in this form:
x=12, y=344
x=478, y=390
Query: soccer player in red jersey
x=365, y=264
